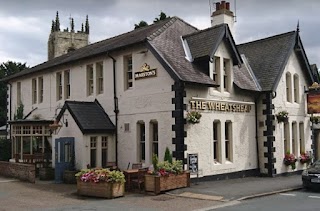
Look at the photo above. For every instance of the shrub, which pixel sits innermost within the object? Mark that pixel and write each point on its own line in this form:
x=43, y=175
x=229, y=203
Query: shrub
x=167, y=155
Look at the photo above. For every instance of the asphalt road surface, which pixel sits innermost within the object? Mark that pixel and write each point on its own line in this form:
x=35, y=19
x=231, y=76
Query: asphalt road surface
x=302, y=200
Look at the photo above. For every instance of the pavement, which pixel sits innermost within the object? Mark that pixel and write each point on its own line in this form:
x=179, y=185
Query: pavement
x=208, y=195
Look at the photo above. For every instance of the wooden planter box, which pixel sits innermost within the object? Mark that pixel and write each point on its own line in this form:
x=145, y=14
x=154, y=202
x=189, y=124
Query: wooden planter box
x=100, y=189
x=158, y=184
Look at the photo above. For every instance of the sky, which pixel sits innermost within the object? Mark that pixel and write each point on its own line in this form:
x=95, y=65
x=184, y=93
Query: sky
x=25, y=25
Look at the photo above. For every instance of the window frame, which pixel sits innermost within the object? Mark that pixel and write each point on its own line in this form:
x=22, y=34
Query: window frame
x=90, y=78
x=67, y=85
x=34, y=91
x=41, y=91
x=99, y=78
x=59, y=86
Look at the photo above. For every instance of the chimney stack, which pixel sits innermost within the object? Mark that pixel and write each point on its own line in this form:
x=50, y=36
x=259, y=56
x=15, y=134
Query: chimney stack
x=223, y=15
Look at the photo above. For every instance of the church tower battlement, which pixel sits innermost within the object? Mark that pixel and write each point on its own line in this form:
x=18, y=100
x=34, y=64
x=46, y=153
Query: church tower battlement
x=62, y=42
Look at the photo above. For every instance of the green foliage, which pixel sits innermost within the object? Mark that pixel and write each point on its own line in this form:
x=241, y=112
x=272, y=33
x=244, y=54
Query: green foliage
x=6, y=69
x=193, y=117
x=162, y=16
x=167, y=155
x=19, y=113
x=101, y=175
x=5, y=149
x=155, y=162
x=166, y=168
x=141, y=24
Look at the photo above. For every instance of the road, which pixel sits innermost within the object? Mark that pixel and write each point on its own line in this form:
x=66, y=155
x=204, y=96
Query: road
x=289, y=201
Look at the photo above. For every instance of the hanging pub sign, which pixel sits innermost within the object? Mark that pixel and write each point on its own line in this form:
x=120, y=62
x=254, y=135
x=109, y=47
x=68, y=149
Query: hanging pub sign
x=145, y=72
x=313, y=102
x=193, y=163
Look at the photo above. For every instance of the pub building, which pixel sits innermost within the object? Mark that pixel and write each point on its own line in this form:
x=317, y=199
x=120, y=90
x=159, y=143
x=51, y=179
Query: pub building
x=167, y=85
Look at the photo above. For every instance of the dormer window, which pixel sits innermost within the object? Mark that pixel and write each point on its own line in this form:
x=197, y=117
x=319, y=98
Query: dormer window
x=226, y=75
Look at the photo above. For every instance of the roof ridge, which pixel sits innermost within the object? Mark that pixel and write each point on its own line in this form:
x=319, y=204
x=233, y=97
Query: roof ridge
x=204, y=30
x=268, y=38
x=159, y=31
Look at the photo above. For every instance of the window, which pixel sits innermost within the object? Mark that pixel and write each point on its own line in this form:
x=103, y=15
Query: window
x=104, y=151
x=154, y=138
x=228, y=141
x=30, y=139
x=142, y=143
x=19, y=93
x=301, y=137
x=128, y=72
x=89, y=79
x=99, y=69
x=294, y=138
x=126, y=127
x=59, y=86
x=216, y=142
x=40, y=84
x=286, y=144
x=34, y=91
x=226, y=75
x=93, y=152
x=296, y=88
x=288, y=87
x=67, y=90
x=216, y=71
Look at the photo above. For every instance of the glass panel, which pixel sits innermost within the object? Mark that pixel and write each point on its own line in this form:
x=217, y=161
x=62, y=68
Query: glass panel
x=67, y=152
x=37, y=144
x=104, y=154
x=93, y=156
x=26, y=145
x=59, y=153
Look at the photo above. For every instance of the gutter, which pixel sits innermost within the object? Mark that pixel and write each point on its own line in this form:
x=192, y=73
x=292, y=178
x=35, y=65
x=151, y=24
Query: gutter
x=115, y=101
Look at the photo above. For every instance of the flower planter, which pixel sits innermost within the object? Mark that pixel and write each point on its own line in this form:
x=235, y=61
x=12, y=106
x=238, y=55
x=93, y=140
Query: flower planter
x=159, y=184
x=101, y=189
x=282, y=119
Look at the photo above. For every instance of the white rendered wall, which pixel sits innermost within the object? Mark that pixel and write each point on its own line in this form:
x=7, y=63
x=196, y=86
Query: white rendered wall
x=149, y=99
x=200, y=136
x=297, y=113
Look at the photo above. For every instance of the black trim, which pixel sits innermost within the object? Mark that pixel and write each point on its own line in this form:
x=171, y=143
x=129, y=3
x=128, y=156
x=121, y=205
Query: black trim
x=233, y=175
x=115, y=101
x=178, y=115
x=28, y=121
x=268, y=133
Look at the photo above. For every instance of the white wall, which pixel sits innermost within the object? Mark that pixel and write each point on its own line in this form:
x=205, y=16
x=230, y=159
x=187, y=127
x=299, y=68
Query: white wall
x=200, y=136
x=297, y=112
x=149, y=99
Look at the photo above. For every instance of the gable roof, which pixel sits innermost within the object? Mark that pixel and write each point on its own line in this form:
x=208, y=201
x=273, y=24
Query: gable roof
x=167, y=47
x=205, y=43
x=268, y=57
x=89, y=116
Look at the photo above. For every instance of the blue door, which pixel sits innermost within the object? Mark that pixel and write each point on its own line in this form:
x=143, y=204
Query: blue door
x=64, y=156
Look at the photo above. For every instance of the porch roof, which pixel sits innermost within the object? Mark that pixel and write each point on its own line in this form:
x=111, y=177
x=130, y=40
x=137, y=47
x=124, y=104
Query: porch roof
x=89, y=116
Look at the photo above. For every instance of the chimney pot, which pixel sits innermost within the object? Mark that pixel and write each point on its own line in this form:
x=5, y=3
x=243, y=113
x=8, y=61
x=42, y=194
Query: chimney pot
x=223, y=5
x=228, y=5
x=217, y=6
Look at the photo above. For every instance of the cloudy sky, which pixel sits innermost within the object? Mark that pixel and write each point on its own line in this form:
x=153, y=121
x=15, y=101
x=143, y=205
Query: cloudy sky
x=25, y=27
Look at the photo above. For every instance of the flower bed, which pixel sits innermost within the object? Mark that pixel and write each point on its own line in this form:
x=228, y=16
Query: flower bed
x=100, y=183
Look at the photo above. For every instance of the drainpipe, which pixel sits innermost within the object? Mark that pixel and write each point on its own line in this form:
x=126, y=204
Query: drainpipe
x=10, y=113
x=257, y=125
x=115, y=101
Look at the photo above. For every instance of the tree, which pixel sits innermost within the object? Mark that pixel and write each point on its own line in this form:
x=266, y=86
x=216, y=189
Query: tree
x=6, y=69
x=162, y=16
x=141, y=24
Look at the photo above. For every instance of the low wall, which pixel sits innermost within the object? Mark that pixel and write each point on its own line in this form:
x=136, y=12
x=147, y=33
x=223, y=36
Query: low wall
x=25, y=172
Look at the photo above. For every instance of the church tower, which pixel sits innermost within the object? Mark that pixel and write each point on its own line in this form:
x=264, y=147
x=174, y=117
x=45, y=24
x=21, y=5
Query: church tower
x=62, y=42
